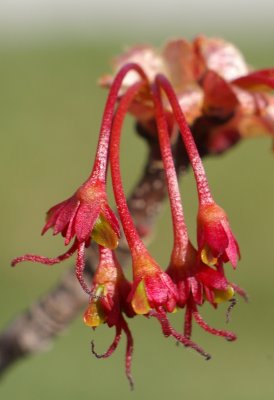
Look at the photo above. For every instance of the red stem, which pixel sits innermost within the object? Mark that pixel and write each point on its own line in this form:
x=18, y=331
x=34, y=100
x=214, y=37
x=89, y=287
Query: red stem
x=194, y=157
x=179, y=225
x=132, y=236
x=99, y=170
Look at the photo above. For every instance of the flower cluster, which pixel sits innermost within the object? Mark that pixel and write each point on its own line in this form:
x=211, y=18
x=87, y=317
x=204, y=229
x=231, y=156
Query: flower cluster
x=222, y=98
x=188, y=84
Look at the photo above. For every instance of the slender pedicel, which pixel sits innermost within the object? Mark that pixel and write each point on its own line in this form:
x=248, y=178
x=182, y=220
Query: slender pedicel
x=153, y=292
x=179, y=226
x=185, y=268
x=216, y=241
x=132, y=236
x=194, y=157
x=100, y=164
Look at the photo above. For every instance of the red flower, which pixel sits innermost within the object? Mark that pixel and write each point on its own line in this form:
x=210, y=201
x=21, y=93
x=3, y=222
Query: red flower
x=108, y=301
x=215, y=239
x=84, y=216
x=152, y=288
x=154, y=294
x=194, y=280
x=197, y=282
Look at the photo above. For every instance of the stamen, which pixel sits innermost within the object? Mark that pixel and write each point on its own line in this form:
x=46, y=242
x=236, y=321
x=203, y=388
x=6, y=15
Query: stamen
x=188, y=321
x=111, y=348
x=218, y=332
x=129, y=351
x=169, y=331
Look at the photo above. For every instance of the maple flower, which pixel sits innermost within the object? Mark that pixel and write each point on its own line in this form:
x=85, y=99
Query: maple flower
x=218, y=92
x=194, y=280
x=153, y=293
x=108, y=301
x=86, y=215
x=215, y=239
x=197, y=283
x=237, y=100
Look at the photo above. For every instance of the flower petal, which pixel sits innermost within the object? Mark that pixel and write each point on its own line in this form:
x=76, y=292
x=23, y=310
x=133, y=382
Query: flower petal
x=139, y=298
x=111, y=218
x=232, y=250
x=52, y=215
x=211, y=278
x=221, y=57
x=216, y=238
x=182, y=63
x=103, y=233
x=196, y=290
x=258, y=81
x=65, y=215
x=219, y=100
x=85, y=219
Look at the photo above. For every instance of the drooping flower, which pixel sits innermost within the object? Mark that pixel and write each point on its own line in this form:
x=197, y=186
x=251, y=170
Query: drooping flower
x=195, y=281
x=215, y=238
x=153, y=292
x=108, y=302
x=152, y=288
x=86, y=215
x=216, y=242
x=204, y=80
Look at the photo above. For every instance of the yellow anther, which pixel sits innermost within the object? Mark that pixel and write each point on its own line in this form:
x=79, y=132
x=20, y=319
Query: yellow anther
x=207, y=257
x=223, y=295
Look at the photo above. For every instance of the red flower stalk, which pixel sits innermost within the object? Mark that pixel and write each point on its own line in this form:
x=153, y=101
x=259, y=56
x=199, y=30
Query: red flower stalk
x=216, y=241
x=108, y=300
x=153, y=292
x=86, y=215
x=194, y=280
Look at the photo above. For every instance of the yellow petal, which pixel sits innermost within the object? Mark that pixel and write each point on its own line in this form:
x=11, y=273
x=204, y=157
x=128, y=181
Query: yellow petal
x=103, y=234
x=139, y=301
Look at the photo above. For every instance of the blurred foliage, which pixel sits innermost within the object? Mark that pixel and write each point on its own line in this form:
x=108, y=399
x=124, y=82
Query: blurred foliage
x=51, y=110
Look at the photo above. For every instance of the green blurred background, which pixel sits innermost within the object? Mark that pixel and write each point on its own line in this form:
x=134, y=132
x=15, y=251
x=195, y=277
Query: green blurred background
x=50, y=115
